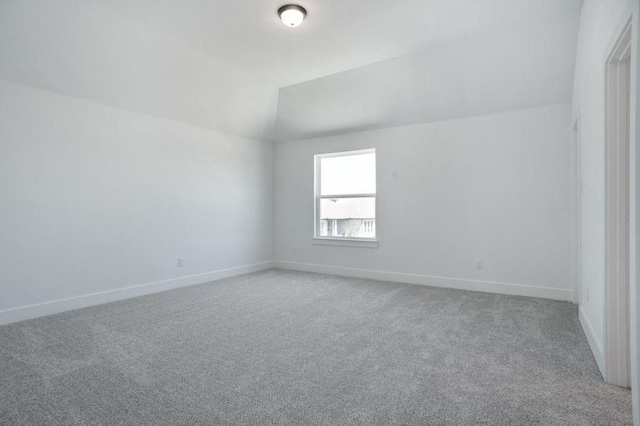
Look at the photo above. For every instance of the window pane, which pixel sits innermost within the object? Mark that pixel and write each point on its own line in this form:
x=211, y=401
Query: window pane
x=348, y=217
x=351, y=174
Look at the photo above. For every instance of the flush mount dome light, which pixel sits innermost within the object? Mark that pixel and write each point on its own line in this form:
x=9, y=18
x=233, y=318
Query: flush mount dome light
x=292, y=15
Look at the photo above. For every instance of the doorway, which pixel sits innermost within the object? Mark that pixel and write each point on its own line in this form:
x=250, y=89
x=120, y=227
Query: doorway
x=617, y=212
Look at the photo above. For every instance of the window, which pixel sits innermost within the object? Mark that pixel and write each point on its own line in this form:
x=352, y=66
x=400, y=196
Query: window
x=346, y=195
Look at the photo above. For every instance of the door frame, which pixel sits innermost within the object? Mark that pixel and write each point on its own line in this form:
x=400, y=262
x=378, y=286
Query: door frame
x=618, y=172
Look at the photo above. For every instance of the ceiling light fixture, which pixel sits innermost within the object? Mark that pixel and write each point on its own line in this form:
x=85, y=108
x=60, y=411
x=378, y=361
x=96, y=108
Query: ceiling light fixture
x=292, y=15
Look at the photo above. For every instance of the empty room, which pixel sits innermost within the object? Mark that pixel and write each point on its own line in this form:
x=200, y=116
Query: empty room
x=325, y=212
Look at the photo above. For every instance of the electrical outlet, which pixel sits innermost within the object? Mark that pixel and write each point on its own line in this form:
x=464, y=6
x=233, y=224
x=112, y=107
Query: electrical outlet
x=394, y=174
x=294, y=251
x=180, y=262
x=587, y=294
x=479, y=264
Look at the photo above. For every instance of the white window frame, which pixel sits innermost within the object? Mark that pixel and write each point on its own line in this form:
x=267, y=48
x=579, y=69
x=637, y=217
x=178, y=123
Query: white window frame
x=340, y=241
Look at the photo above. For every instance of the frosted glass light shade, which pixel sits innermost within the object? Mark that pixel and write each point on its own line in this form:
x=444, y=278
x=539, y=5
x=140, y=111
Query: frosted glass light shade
x=292, y=15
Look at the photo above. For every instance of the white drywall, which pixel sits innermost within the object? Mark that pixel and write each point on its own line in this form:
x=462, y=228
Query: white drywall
x=598, y=23
x=80, y=49
x=98, y=199
x=337, y=35
x=491, y=72
x=494, y=187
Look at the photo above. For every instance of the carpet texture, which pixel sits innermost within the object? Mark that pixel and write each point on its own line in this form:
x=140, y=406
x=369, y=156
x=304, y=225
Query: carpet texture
x=281, y=347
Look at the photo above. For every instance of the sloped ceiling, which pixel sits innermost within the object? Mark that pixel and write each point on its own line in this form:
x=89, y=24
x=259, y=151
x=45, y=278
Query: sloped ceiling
x=232, y=66
x=487, y=73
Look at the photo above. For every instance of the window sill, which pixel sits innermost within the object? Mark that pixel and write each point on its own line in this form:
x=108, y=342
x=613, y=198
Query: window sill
x=346, y=242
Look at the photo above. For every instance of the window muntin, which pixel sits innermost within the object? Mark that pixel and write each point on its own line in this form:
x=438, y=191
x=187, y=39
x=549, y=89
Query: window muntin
x=346, y=195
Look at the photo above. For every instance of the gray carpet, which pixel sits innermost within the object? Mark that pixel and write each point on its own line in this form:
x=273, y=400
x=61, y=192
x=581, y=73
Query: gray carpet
x=280, y=347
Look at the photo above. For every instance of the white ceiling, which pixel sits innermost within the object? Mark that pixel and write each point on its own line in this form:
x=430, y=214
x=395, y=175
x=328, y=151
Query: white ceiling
x=337, y=34
x=501, y=70
x=232, y=66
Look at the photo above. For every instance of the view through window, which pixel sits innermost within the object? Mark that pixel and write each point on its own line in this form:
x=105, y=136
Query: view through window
x=346, y=195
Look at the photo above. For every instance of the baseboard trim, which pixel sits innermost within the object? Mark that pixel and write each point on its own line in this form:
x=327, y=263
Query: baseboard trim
x=62, y=305
x=592, y=338
x=457, y=283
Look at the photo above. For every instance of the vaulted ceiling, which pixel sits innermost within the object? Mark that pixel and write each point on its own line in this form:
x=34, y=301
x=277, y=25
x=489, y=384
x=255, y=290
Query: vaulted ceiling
x=232, y=66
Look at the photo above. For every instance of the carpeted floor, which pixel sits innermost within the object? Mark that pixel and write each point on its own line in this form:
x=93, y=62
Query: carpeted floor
x=280, y=347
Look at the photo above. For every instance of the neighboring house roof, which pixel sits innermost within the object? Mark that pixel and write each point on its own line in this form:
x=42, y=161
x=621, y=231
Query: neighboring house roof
x=347, y=209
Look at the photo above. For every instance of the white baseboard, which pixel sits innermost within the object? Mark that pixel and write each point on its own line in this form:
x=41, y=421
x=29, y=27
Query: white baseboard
x=592, y=338
x=61, y=305
x=457, y=283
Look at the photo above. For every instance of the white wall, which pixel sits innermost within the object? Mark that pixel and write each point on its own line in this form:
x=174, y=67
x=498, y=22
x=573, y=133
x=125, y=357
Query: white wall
x=494, y=187
x=117, y=159
x=95, y=199
x=598, y=23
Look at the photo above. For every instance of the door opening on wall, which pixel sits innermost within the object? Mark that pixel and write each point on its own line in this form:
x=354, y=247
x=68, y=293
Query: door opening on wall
x=617, y=212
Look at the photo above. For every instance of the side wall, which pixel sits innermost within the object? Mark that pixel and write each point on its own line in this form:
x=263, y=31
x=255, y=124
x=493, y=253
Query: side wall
x=495, y=188
x=98, y=203
x=600, y=21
